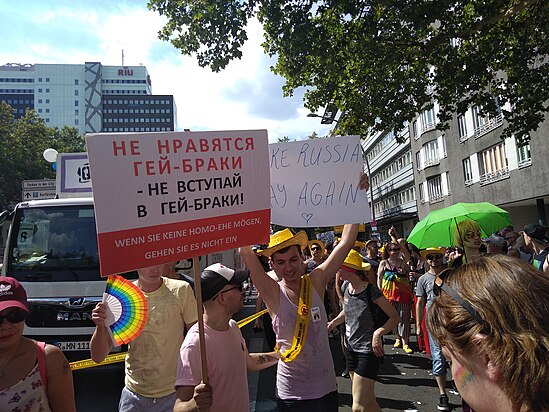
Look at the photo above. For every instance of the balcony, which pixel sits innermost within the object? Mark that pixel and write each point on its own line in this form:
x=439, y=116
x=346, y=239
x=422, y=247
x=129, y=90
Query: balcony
x=436, y=198
x=491, y=124
x=492, y=177
x=525, y=163
x=431, y=162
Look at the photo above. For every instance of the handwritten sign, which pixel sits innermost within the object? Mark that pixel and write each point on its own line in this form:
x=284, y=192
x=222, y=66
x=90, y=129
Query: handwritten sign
x=161, y=197
x=316, y=183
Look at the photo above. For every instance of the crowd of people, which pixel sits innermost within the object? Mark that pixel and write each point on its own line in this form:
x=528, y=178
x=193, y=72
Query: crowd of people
x=485, y=303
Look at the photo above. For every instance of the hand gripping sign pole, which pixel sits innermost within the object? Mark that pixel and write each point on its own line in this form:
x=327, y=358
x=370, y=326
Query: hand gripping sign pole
x=199, y=310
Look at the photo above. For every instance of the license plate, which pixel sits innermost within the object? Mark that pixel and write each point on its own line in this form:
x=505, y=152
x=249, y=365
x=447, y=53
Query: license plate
x=74, y=346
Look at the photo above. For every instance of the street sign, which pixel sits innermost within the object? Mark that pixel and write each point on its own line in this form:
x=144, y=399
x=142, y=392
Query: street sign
x=39, y=194
x=39, y=184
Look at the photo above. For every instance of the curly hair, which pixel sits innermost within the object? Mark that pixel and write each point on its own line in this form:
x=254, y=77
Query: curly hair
x=462, y=228
x=513, y=298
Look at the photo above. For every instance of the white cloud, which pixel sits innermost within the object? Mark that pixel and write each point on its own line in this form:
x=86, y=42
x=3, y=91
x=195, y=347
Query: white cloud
x=246, y=95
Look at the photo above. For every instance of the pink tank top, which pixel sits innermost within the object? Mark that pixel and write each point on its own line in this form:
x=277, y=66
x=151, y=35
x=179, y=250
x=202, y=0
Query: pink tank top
x=311, y=375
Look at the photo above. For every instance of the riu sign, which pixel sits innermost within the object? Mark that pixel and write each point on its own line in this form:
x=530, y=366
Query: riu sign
x=125, y=72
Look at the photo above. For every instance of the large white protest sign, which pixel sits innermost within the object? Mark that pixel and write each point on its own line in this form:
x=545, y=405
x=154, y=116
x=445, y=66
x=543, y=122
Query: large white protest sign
x=162, y=197
x=316, y=183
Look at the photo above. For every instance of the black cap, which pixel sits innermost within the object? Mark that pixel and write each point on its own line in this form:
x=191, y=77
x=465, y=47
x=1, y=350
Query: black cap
x=536, y=232
x=216, y=276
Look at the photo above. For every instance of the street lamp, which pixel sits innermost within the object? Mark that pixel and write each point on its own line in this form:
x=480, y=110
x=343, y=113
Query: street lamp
x=330, y=120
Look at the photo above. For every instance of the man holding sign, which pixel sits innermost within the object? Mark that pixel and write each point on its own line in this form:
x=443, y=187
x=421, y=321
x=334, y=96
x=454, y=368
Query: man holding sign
x=305, y=376
x=151, y=362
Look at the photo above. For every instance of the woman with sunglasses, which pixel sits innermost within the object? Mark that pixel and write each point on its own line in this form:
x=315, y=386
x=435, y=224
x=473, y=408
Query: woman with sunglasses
x=393, y=281
x=33, y=376
x=363, y=341
x=492, y=321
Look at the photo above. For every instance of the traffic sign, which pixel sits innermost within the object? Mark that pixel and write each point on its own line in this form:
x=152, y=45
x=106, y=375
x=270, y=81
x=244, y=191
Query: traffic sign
x=39, y=194
x=39, y=184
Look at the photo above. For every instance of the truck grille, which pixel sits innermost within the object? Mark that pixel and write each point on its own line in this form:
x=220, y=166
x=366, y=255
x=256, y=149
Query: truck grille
x=61, y=312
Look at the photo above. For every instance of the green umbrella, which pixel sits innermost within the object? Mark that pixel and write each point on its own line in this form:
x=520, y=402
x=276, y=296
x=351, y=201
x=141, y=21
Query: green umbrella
x=437, y=228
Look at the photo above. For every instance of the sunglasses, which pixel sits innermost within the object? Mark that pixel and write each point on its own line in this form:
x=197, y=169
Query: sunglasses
x=15, y=316
x=433, y=257
x=239, y=287
x=315, y=248
x=440, y=285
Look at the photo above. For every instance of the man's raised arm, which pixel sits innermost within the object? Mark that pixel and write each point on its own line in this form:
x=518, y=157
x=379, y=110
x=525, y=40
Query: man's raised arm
x=266, y=286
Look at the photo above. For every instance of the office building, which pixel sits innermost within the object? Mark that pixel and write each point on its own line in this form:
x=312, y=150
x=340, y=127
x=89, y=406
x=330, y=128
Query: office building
x=90, y=97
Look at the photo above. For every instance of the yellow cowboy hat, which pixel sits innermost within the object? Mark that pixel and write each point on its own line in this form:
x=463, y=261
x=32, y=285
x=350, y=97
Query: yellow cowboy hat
x=319, y=243
x=431, y=250
x=283, y=239
x=354, y=261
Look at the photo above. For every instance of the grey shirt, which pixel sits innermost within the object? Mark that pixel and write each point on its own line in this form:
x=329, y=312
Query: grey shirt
x=359, y=321
x=424, y=288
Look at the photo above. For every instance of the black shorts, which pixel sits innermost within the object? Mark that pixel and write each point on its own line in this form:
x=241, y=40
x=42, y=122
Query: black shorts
x=363, y=364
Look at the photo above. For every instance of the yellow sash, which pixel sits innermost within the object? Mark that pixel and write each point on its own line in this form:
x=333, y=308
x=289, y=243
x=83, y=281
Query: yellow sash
x=302, y=322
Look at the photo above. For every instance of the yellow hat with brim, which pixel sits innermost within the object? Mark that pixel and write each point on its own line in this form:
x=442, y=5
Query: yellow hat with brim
x=283, y=239
x=317, y=242
x=354, y=261
x=431, y=250
x=359, y=244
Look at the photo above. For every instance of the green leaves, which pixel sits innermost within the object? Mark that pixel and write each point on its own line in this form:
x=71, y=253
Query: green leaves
x=21, y=146
x=383, y=61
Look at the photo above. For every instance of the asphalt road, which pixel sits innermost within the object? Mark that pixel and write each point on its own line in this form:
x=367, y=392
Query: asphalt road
x=404, y=382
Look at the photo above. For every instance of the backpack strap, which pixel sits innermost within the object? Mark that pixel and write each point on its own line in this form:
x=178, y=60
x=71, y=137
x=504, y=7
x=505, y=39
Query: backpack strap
x=41, y=356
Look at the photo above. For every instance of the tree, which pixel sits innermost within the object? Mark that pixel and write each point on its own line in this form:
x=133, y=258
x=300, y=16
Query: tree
x=380, y=62
x=283, y=139
x=22, y=143
x=314, y=135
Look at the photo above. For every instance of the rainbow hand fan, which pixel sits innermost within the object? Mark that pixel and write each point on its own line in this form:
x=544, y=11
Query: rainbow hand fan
x=126, y=309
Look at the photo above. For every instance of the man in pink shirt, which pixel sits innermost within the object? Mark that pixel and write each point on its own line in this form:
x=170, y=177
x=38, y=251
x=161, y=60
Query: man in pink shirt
x=226, y=353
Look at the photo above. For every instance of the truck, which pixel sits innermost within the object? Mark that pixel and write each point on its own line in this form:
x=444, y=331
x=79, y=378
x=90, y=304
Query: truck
x=51, y=248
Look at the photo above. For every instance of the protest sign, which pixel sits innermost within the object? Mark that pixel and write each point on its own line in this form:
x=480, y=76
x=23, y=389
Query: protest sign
x=315, y=183
x=162, y=197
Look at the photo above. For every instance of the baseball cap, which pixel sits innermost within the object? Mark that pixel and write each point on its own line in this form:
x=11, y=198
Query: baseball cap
x=216, y=276
x=12, y=294
x=496, y=240
x=536, y=232
x=511, y=234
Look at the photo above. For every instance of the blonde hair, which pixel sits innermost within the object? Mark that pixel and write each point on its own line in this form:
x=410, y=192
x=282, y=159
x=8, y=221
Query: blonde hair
x=462, y=228
x=513, y=298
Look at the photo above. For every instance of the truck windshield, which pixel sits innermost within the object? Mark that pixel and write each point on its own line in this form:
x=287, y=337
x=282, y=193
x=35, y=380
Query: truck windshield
x=54, y=244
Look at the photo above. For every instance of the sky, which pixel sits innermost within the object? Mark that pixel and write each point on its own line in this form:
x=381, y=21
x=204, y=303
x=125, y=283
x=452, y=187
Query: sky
x=246, y=95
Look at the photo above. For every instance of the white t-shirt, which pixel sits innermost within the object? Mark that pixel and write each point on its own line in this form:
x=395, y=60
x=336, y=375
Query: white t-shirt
x=227, y=372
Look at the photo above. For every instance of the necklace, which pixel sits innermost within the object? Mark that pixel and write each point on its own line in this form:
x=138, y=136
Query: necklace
x=3, y=368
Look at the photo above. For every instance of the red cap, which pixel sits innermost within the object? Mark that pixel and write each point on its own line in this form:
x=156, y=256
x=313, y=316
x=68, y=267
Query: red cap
x=12, y=294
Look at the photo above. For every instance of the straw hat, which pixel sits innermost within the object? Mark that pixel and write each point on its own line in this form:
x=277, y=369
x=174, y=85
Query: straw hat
x=283, y=239
x=354, y=261
x=431, y=250
x=319, y=243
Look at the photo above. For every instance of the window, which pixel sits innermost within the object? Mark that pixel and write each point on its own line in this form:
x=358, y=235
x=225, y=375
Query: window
x=76, y=92
x=47, y=110
x=47, y=90
x=448, y=183
x=76, y=112
x=39, y=90
x=467, y=172
x=434, y=189
x=443, y=141
x=47, y=101
x=47, y=79
x=40, y=101
x=428, y=120
x=76, y=122
x=419, y=165
x=431, y=153
x=524, y=155
x=76, y=82
x=493, y=164
x=478, y=120
x=421, y=194
x=462, y=125
x=76, y=103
